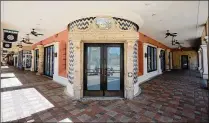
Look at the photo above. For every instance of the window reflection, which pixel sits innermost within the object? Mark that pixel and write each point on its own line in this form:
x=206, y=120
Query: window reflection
x=113, y=68
x=151, y=59
x=93, y=68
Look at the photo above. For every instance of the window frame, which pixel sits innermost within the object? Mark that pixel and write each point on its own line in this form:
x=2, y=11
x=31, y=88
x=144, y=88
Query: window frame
x=153, y=58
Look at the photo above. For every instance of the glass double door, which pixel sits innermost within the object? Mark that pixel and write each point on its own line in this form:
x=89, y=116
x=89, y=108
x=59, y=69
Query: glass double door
x=49, y=60
x=103, y=70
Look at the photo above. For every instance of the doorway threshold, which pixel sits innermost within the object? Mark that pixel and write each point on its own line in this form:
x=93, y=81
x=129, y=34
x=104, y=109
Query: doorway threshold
x=101, y=98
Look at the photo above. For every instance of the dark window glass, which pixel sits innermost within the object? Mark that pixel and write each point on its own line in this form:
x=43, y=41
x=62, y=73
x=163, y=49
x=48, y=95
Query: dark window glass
x=148, y=59
x=151, y=59
x=155, y=59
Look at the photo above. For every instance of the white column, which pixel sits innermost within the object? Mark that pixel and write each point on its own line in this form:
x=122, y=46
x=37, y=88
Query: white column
x=199, y=60
x=40, y=60
x=17, y=61
x=77, y=83
x=129, y=86
x=205, y=62
x=14, y=60
x=32, y=61
x=159, y=61
x=56, y=59
x=171, y=60
x=145, y=58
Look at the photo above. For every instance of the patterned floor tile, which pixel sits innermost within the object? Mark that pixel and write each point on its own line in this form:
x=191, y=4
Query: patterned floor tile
x=174, y=96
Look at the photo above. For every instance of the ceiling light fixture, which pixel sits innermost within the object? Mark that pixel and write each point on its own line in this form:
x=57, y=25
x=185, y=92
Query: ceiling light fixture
x=206, y=39
x=179, y=47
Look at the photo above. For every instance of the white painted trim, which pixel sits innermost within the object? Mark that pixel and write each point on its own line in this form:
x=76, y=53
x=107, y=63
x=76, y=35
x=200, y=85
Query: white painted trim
x=205, y=61
x=50, y=44
x=58, y=79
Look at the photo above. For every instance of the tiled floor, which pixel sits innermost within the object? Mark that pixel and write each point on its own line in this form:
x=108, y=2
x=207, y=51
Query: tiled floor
x=172, y=97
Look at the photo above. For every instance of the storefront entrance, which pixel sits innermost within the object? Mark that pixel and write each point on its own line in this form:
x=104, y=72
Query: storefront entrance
x=103, y=58
x=103, y=70
x=49, y=61
x=184, y=62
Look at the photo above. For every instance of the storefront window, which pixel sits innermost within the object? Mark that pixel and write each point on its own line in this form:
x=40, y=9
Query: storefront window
x=151, y=59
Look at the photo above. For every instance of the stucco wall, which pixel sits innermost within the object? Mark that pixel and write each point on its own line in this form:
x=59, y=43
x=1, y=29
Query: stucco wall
x=192, y=57
x=62, y=38
x=56, y=77
x=143, y=39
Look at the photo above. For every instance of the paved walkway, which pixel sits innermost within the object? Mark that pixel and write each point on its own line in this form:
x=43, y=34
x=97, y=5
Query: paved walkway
x=175, y=96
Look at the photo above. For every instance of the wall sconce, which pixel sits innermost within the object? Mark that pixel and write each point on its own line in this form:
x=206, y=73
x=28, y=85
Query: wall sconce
x=55, y=54
x=206, y=39
x=145, y=55
x=160, y=56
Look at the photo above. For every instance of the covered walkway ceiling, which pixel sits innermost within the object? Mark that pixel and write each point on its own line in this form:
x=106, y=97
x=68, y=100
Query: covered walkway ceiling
x=154, y=17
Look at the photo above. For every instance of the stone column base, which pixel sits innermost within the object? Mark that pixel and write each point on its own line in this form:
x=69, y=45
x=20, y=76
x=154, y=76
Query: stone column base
x=78, y=92
x=129, y=93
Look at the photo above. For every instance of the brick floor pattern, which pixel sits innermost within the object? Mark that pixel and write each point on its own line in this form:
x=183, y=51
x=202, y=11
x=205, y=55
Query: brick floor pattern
x=175, y=96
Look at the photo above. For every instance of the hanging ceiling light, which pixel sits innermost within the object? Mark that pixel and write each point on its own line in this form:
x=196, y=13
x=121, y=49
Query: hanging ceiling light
x=179, y=46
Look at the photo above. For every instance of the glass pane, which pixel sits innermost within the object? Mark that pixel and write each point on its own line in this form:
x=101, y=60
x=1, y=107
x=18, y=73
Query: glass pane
x=113, y=59
x=93, y=63
x=28, y=60
x=51, y=67
x=148, y=59
x=113, y=68
x=37, y=59
x=152, y=58
x=155, y=60
x=93, y=81
x=48, y=60
x=52, y=59
x=162, y=60
x=93, y=67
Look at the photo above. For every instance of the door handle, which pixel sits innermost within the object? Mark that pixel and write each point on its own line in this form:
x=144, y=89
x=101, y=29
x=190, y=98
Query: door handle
x=105, y=72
